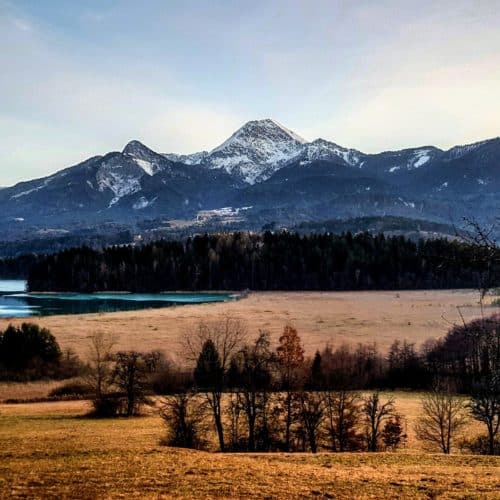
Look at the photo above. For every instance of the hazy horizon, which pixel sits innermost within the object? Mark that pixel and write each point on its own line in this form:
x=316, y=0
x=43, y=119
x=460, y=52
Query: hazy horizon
x=84, y=79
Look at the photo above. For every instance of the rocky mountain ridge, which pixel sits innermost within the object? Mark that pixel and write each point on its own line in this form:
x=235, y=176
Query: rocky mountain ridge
x=271, y=171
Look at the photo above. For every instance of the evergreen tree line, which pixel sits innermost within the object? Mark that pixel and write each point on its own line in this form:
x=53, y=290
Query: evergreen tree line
x=17, y=268
x=268, y=261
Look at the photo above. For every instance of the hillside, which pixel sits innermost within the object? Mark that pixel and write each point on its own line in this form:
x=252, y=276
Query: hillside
x=50, y=450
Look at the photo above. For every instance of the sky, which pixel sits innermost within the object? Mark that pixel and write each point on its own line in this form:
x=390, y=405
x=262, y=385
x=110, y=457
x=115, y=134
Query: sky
x=83, y=78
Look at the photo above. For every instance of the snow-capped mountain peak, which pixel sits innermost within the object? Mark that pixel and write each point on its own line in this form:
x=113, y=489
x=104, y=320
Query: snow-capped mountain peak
x=258, y=133
x=256, y=150
x=144, y=157
x=318, y=180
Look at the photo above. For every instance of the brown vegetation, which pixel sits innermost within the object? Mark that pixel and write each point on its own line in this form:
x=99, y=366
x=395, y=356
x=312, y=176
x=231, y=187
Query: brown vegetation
x=320, y=317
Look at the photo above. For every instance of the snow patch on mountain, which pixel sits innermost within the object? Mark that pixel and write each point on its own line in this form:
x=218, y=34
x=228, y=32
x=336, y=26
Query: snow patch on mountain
x=189, y=159
x=143, y=202
x=43, y=185
x=118, y=180
x=147, y=166
x=421, y=158
x=325, y=150
x=409, y=204
x=459, y=151
x=418, y=158
x=32, y=190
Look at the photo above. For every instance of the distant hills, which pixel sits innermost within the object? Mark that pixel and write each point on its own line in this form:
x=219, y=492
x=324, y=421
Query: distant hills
x=267, y=174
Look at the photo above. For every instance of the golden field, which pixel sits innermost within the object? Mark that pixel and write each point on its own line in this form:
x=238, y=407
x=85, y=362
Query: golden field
x=320, y=317
x=51, y=450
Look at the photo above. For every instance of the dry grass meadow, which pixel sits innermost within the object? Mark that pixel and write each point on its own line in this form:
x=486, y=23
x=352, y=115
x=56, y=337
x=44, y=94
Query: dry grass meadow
x=52, y=450
x=320, y=317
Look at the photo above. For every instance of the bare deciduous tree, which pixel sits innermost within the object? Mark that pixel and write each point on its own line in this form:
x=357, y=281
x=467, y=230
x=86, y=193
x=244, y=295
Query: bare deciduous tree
x=227, y=333
x=129, y=376
x=311, y=414
x=252, y=366
x=343, y=414
x=485, y=407
x=486, y=253
x=375, y=414
x=100, y=363
x=443, y=417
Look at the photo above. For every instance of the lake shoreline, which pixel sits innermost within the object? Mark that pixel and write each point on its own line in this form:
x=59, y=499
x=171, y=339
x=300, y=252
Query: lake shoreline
x=320, y=317
x=17, y=303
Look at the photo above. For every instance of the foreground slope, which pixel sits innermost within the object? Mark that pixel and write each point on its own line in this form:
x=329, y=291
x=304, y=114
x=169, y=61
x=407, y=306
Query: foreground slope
x=50, y=450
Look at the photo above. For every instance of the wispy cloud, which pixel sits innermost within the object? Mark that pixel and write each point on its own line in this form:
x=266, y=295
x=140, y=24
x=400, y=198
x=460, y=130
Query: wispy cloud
x=84, y=78
x=21, y=24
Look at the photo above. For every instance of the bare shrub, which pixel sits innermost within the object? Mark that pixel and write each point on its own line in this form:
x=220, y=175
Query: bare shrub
x=480, y=445
x=184, y=416
x=484, y=406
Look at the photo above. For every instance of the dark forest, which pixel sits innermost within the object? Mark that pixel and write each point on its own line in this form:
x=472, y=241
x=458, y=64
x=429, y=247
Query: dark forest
x=268, y=261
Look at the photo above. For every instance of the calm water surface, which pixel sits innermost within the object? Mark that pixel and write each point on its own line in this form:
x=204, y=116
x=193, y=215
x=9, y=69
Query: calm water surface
x=16, y=303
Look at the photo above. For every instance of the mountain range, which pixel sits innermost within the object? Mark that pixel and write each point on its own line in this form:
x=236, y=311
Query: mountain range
x=267, y=174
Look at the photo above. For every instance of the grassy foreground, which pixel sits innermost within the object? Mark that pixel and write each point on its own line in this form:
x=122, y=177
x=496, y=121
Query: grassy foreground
x=50, y=450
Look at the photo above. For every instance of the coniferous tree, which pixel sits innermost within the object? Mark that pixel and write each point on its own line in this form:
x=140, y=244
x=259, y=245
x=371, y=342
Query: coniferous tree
x=269, y=261
x=209, y=377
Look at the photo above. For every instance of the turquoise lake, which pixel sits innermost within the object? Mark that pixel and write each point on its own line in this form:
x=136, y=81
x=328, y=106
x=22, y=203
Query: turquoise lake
x=16, y=303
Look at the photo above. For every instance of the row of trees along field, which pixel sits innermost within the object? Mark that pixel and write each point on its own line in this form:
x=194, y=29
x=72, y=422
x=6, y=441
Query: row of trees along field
x=251, y=396
x=269, y=261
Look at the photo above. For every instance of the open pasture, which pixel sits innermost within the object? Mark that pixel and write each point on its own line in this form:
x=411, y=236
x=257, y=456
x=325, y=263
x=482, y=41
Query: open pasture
x=320, y=317
x=50, y=450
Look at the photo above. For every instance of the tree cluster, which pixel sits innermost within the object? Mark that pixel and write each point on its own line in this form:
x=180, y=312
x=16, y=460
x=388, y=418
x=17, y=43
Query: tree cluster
x=28, y=352
x=264, y=399
x=120, y=382
x=268, y=261
x=254, y=396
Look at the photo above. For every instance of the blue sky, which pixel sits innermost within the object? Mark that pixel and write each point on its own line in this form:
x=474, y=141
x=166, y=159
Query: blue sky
x=83, y=78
